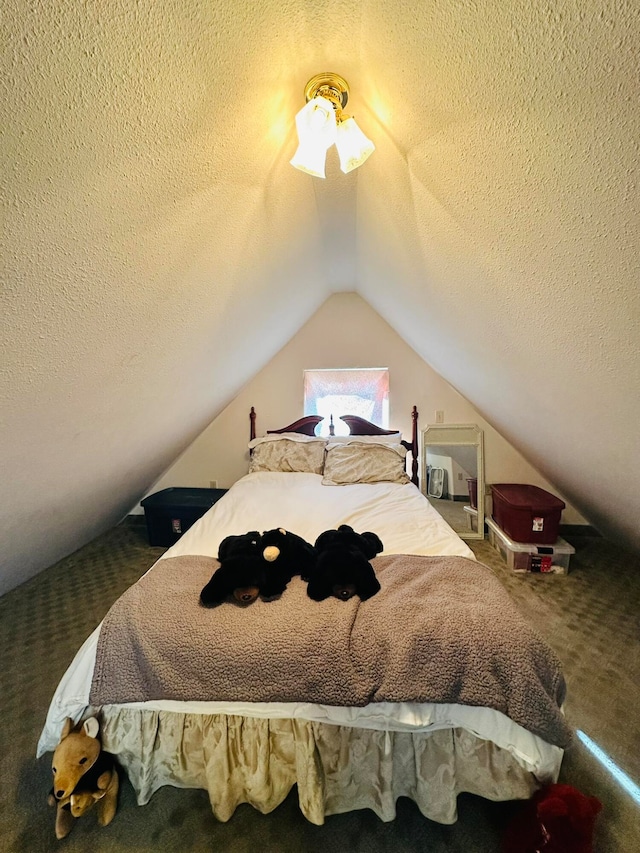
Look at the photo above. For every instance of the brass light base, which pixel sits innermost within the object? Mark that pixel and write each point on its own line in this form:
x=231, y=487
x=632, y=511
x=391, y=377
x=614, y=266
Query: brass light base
x=328, y=85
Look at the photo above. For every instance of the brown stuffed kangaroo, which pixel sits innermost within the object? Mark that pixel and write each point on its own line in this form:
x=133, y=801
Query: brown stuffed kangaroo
x=83, y=776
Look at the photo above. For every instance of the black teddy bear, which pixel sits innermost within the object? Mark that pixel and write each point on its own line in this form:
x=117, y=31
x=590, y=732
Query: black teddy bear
x=342, y=565
x=288, y=554
x=254, y=564
x=241, y=573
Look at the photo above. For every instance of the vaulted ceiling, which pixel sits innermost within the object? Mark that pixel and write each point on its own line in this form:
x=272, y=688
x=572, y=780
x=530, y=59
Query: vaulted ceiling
x=153, y=225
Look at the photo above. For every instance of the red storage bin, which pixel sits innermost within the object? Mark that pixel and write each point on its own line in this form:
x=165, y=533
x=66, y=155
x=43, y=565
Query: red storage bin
x=526, y=513
x=472, y=485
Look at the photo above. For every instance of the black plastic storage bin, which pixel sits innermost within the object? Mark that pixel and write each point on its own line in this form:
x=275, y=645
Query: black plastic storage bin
x=172, y=511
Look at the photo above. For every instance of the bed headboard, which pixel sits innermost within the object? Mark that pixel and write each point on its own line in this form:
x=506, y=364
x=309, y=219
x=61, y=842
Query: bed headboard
x=357, y=426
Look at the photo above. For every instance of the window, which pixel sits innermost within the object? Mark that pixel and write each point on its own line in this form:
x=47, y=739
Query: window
x=358, y=391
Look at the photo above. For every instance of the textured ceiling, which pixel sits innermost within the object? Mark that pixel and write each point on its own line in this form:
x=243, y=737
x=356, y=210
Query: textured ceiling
x=152, y=224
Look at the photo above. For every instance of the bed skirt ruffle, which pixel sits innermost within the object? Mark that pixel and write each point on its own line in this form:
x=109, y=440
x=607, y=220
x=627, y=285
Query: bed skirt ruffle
x=336, y=768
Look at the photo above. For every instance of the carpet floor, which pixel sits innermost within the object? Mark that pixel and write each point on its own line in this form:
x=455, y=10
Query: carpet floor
x=590, y=617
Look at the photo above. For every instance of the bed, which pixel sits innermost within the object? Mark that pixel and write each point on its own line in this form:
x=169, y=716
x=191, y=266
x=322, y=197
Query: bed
x=434, y=686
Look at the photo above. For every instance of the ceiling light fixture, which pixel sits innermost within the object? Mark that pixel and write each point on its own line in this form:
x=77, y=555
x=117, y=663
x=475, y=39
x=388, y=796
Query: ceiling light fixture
x=321, y=124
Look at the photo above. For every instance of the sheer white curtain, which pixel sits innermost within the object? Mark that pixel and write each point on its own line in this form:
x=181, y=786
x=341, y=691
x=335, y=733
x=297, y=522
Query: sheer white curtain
x=349, y=391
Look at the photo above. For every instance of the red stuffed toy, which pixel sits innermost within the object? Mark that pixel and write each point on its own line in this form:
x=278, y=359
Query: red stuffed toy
x=557, y=819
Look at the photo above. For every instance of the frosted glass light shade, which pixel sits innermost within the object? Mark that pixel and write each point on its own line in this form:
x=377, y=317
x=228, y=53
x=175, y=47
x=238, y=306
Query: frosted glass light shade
x=353, y=146
x=316, y=125
x=310, y=159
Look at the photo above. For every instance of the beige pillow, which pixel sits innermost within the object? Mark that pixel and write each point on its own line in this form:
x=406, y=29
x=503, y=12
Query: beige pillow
x=284, y=436
x=394, y=438
x=286, y=455
x=364, y=463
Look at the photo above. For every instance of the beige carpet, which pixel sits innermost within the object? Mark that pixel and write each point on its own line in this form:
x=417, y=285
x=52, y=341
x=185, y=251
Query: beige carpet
x=591, y=618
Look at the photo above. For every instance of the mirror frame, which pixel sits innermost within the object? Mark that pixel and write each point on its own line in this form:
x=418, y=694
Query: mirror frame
x=469, y=435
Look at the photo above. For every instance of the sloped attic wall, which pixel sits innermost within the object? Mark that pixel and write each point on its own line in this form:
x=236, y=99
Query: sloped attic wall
x=344, y=332
x=145, y=245
x=502, y=203
x=158, y=249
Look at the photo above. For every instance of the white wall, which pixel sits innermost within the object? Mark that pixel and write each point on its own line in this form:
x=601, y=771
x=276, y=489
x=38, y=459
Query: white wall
x=458, y=463
x=344, y=332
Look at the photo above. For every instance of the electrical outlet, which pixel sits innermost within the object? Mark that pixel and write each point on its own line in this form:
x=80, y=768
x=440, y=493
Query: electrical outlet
x=439, y=416
x=213, y=484
x=459, y=476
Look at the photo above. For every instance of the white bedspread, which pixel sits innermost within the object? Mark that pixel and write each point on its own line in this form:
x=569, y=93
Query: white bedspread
x=405, y=522
x=401, y=516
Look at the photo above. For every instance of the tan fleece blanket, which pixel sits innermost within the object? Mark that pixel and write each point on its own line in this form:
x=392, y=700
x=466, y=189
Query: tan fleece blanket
x=441, y=629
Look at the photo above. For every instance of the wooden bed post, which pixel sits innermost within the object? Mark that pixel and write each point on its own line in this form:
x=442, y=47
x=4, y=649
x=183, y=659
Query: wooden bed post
x=252, y=418
x=414, y=447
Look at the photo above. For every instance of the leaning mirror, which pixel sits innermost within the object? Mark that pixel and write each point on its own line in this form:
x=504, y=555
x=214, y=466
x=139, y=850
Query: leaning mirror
x=453, y=476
